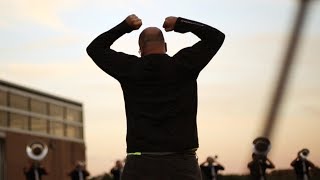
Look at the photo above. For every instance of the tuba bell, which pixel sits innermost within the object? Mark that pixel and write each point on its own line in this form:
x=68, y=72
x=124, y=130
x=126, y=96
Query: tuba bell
x=37, y=150
x=304, y=153
x=261, y=146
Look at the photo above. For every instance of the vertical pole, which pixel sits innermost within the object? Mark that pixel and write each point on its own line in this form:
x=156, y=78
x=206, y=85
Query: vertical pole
x=288, y=61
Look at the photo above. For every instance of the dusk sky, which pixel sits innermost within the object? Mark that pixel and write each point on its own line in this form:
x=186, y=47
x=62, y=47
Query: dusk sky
x=43, y=46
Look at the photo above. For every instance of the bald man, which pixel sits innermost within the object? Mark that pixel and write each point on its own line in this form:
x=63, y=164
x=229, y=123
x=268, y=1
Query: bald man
x=160, y=94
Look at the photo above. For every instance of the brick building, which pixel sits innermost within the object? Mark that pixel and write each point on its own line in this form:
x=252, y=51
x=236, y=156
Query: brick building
x=28, y=115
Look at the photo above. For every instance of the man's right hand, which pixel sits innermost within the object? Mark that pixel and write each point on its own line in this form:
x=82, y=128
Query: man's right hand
x=169, y=23
x=134, y=22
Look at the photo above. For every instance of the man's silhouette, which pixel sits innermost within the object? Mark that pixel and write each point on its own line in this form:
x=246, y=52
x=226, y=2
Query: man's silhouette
x=34, y=171
x=160, y=94
x=302, y=165
x=210, y=168
x=258, y=167
x=79, y=172
x=117, y=170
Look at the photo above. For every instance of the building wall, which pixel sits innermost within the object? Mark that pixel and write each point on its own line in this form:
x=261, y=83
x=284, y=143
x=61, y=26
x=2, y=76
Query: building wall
x=33, y=111
x=28, y=115
x=60, y=158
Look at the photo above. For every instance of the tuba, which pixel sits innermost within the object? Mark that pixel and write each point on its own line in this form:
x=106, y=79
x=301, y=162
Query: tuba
x=261, y=146
x=37, y=150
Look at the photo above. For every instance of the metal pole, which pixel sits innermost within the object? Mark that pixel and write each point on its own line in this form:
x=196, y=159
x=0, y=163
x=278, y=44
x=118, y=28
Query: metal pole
x=284, y=73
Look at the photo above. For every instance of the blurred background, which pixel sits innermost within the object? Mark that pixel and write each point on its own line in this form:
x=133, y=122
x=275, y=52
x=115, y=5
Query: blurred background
x=43, y=47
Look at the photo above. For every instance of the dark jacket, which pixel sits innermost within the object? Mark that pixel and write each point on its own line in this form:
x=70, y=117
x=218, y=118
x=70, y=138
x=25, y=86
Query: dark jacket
x=74, y=175
x=160, y=91
x=116, y=173
x=258, y=168
x=207, y=171
x=31, y=175
x=298, y=167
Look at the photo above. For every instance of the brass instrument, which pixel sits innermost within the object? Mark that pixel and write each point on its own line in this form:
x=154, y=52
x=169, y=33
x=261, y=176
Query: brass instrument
x=304, y=153
x=37, y=150
x=261, y=146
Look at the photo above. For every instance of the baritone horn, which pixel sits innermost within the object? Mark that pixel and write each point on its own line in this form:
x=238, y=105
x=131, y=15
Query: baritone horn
x=261, y=146
x=37, y=150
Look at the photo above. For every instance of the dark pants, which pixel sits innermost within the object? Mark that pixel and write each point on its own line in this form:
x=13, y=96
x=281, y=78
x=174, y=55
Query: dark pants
x=301, y=177
x=164, y=167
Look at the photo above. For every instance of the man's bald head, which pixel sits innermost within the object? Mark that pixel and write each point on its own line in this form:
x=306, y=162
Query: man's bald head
x=150, y=35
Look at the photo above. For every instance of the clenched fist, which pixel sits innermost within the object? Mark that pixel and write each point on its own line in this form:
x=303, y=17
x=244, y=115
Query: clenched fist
x=169, y=23
x=133, y=21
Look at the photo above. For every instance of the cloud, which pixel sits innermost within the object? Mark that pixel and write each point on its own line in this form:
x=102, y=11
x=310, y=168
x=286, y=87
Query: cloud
x=43, y=12
x=44, y=44
x=49, y=70
x=49, y=13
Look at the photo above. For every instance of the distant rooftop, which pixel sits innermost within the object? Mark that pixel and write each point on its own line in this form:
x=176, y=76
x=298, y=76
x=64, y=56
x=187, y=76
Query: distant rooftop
x=30, y=90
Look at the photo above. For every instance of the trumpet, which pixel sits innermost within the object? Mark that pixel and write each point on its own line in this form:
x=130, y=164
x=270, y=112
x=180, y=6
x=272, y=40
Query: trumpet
x=37, y=150
x=261, y=146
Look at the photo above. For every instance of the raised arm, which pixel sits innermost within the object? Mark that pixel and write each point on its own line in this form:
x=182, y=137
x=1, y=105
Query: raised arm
x=312, y=166
x=219, y=166
x=293, y=163
x=110, y=61
x=197, y=56
x=203, y=164
x=270, y=163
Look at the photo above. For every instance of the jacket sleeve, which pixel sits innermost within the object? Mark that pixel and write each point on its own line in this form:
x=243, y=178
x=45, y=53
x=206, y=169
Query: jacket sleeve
x=116, y=64
x=198, y=56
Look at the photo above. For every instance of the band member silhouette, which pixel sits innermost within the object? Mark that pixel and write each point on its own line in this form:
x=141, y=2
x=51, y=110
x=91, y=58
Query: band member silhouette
x=116, y=171
x=302, y=165
x=210, y=168
x=34, y=171
x=79, y=172
x=260, y=162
